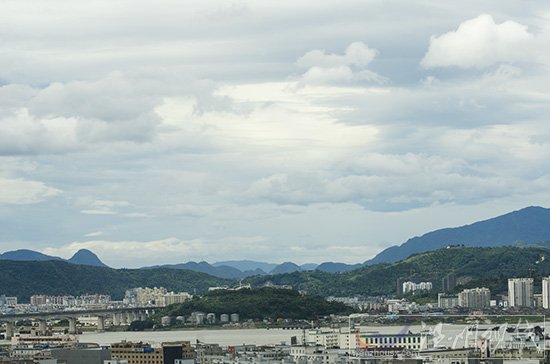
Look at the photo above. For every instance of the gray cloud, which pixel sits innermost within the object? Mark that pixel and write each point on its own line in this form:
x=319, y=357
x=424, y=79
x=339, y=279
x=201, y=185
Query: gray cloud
x=223, y=129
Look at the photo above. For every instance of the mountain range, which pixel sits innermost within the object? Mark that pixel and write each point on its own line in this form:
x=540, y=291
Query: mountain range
x=82, y=257
x=58, y=277
x=234, y=269
x=530, y=225
x=472, y=266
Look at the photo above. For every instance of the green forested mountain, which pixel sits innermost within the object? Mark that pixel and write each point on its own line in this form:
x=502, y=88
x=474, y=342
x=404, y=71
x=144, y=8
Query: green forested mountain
x=473, y=266
x=260, y=304
x=490, y=266
x=529, y=225
x=25, y=278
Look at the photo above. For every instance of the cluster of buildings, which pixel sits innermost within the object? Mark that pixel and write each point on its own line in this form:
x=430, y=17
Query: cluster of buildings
x=201, y=318
x=468, y=298
x=63, y=349
x=156, y=296
x=361, y=346
x=315, y=346
x=521, y=294
x=324, y=345
x=135, y=297
x=7, y=301
x=411, y=287
x=90, y=300
x=367, y=304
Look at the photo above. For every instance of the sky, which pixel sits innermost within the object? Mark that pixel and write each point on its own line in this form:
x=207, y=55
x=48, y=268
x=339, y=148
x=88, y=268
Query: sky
x=155, y=132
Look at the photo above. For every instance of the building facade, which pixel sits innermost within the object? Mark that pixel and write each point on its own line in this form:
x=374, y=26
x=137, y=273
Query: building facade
x=546, y=292
x=475, y=298
x=411, y=287
x=398, y=342
x=520, y=292
x=135, y=353
x=448, y=283
x=445, y=300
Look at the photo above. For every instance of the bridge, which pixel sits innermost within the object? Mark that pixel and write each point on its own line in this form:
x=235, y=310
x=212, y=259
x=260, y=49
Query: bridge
x=120, y=316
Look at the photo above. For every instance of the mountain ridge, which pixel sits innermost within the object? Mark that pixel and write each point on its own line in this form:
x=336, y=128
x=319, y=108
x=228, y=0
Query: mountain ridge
x=473, y=267
x=528, y=225
x=57, y=277
x=81, y=257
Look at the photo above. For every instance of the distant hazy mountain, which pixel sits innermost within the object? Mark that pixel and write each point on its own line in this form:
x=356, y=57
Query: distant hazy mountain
x=82, y=257
x=309, y=266
x=247, y=265
x=529, y=225
x=230, y=269
x=86, y=257
x=332, y=267
x=251, y=267
x=286, y=267
x=25, y=254
x=222, y=271
x=255, y=272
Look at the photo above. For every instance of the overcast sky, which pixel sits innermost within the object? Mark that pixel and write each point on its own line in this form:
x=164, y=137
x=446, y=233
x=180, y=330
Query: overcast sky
x=166, y=131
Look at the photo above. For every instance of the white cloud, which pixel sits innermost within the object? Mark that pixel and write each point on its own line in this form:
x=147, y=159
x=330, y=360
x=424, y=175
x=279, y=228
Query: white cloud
x=321, y=75
x=72, y=116
x=357, y=54
x=17, y=191
x=267, y=115
x=480, y=42
x=101, y=207
x=23, y=133
x=323, y=67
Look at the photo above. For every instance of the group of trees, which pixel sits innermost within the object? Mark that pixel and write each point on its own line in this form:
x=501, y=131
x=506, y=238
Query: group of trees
x=25, y=278
x=258, y=304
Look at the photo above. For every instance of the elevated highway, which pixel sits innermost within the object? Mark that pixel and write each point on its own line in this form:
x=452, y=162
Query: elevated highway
x=118, y=316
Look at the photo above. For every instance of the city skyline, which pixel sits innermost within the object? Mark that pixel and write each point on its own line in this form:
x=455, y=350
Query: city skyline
x=169, y=132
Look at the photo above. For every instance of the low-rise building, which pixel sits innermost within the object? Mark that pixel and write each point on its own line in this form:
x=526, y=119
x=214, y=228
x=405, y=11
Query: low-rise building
x=137, y=353
x=396, y=342
x=314, y=354
x=76, y=355
x=140, y=353
x=7, y=300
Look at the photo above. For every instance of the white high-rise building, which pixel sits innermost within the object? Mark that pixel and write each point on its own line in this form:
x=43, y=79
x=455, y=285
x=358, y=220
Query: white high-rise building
x=520, y=292
x=546, y=292
x=413, y=287
x=474, y=298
